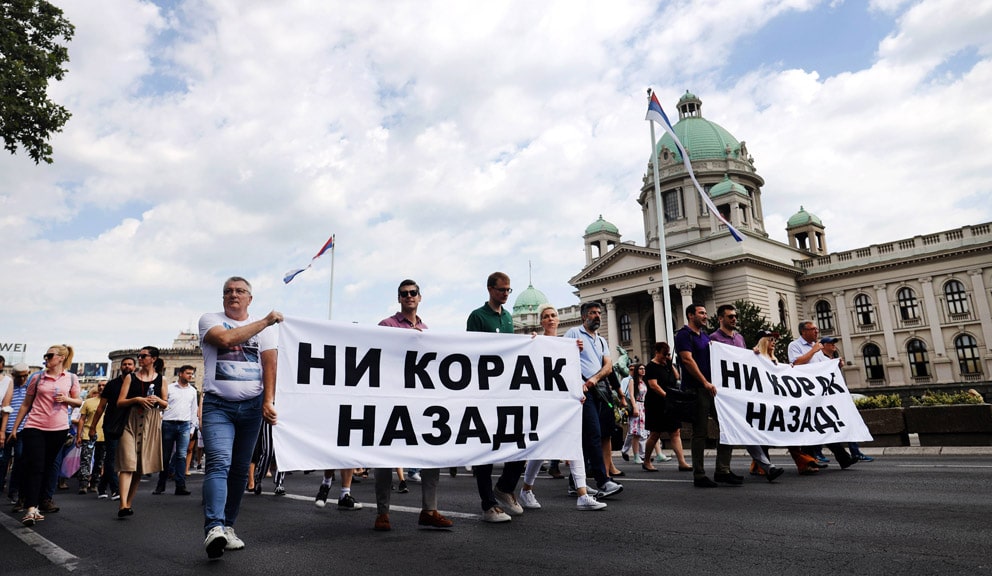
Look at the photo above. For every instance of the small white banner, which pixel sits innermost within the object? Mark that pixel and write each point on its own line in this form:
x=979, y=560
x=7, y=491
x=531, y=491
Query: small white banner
x=350, y=396
x=769, y=404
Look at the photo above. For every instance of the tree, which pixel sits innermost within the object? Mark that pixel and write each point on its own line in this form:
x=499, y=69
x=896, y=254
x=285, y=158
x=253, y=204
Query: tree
x=750, y=321
x=32, y=51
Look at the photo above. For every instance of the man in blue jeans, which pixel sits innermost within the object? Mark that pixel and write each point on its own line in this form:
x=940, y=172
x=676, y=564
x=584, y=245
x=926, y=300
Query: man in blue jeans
x=177, y=421
x=114, y=419
x=239, y=386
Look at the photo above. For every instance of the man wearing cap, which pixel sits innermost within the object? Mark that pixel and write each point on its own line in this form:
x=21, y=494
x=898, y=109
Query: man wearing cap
x=11, y=450
x=727, y=334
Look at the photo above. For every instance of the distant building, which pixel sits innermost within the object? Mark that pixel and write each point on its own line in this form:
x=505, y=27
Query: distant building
x=185, y=350
x=910, y=311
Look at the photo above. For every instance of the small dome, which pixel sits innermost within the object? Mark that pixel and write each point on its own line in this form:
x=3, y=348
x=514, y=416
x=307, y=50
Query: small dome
x=602, y=226
x=803, y=218
x=529, y=301
x=726, y=186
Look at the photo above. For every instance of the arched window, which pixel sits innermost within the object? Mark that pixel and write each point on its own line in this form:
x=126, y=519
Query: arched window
x=624, y=328
x=873, y=362
x=967, y=348
x=957, y=298
x=863, y=310
x=909, y=309
x=824, y=317
x=919, y=360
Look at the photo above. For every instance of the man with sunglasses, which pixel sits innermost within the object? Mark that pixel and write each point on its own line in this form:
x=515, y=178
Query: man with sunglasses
x=409, y=297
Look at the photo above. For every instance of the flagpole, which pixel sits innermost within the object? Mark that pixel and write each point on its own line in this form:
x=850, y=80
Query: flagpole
x=330, y=292
x=669, y=333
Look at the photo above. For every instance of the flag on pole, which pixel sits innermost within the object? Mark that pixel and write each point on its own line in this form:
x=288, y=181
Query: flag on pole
x=329, y=245
x=657, y=115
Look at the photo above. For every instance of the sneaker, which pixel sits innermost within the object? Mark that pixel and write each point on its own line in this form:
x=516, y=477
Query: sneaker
x=182, y=492
x=159, y=490
x=82, y=490
x=864, y=457
x=115, y=496
x=774, y=472
x=589, y=489
x=638, y=459
x=508, y=502
x=382, y=523
x=348, y=502
x=403, y=489
x=528, y=500
x=280, y=491
x=48, y=507
x=587, y=502
x=611, y=488
x=433, y=519
x=101, y=496
x=414, y=477
x=495, y=515
x=821, y=459
x=233, y=542
x=662, y=458
x=215, y=542
x=728, y=478
x=321, y=500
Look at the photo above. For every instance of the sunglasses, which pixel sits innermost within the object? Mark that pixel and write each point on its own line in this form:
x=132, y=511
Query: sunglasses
x=49, y=356
x=409, y=293
x=141, y=356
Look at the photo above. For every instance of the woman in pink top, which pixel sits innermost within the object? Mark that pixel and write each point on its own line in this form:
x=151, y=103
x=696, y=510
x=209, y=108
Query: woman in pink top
x=47, y=405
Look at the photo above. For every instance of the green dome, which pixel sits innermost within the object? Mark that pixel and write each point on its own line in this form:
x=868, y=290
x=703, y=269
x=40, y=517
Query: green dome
x=529, y=301
x=726, y=186
x=704, y=140
x=601, y=226
x=802, y=218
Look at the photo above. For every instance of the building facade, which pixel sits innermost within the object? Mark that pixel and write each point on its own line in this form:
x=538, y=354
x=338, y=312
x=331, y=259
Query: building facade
x=914, y=311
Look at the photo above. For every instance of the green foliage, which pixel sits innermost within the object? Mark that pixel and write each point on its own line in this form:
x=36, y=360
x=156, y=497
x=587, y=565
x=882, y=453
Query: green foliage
x=750, y=321
x=944, y=398
x=30, y=54
x=880, y=401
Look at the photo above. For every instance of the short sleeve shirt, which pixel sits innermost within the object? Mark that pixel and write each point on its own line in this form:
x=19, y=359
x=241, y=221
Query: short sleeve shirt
x=699, y=346
x=234, y=373
x=485, y=319
x=593, y=350
x=47, y=414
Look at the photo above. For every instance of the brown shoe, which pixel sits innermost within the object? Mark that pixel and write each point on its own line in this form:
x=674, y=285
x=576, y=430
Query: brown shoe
x=382, y=523
x=433, y=519
x=49, y=507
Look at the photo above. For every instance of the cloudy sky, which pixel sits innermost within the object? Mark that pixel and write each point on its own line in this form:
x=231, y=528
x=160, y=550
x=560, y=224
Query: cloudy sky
x=444, y=140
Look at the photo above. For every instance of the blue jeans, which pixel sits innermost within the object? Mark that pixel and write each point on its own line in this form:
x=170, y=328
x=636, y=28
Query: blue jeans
x=592, y=444
x=109, y=476
x=175, y=433
x=230, y=430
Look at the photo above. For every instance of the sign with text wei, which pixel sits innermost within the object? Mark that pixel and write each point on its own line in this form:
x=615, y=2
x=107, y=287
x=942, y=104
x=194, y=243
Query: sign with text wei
x=350, y=395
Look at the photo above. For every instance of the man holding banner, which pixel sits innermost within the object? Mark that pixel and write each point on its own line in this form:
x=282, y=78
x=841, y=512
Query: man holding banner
x=409, y=297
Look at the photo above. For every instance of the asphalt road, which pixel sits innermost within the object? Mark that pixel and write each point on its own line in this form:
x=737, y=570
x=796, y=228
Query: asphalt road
x=897, y=515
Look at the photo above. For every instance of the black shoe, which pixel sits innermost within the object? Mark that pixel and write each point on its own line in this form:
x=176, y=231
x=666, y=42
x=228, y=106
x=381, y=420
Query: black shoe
x=704, y=482
x=729, y=478
x=847, y=463
x=625, y=456
x=773, y=473
x=182, y=492
x=125, y=512
x=159, y=490
x=403, y=487
x=453, y=471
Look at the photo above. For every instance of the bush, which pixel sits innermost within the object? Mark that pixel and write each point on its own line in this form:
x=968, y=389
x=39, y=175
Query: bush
x=944, y=398
x=881, y=401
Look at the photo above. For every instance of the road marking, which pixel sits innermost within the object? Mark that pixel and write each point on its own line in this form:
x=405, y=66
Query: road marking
x=40, y=544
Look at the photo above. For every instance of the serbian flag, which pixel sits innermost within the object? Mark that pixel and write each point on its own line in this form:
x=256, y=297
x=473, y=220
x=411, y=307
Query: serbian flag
x=657, y=115
x=329, y=245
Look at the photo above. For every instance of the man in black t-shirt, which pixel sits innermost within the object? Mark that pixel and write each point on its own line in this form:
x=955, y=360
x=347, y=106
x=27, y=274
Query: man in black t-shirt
x=112, y=424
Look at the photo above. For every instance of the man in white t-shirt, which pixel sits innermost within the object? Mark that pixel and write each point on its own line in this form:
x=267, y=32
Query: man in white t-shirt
x=239, y=388
x=177, y=421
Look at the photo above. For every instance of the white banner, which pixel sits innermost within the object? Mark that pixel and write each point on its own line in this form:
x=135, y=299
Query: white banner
x=769, y=404
x=350, y=396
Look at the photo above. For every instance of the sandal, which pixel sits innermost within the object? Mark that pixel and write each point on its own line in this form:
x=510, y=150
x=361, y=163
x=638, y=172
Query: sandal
x=31, y=517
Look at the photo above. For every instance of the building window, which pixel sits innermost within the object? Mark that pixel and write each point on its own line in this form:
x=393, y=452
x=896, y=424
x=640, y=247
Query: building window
x=625, y=328
x=824, y=317
x=919, y=360
x=863, y=310
x=967, y=349
x=957, y=299
x=909, y=309
x=873, y=362
x=670, y=205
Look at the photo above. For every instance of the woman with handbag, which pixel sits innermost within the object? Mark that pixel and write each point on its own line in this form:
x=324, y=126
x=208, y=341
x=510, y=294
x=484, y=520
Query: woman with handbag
x=45, y=412
x=139, y=450
x=661, y=377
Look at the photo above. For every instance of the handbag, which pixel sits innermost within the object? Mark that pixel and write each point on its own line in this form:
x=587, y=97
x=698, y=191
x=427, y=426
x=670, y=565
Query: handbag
x=680, y=405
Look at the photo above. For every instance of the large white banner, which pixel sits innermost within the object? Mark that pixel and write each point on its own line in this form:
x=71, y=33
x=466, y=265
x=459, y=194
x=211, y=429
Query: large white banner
x=760, y=402
x=350, y=395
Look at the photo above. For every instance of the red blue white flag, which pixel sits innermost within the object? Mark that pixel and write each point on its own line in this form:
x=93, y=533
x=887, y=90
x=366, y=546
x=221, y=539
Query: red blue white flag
x=329, y=245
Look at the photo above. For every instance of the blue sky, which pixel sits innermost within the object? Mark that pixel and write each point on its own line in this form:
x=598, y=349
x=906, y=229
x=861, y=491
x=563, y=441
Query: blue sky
x=443, y=140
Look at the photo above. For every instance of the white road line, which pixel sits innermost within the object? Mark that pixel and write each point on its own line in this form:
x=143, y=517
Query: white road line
x=40, y=544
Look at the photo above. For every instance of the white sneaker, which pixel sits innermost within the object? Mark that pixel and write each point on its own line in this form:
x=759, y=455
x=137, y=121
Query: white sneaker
x=662, y=458
x=508, y=502
x=611, y=488
x=494, y=515
x=638, y=459
x=215, y=542
x=528, y=500
x=587, y=502
x=233, y=542
x=414, y=477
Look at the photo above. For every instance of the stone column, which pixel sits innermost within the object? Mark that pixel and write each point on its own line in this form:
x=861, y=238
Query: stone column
x=982, y=303
x=685, y=291
x=658, y=304
x=933, y=316
x=885, y=321
x=843, y=324
x=613, y=337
